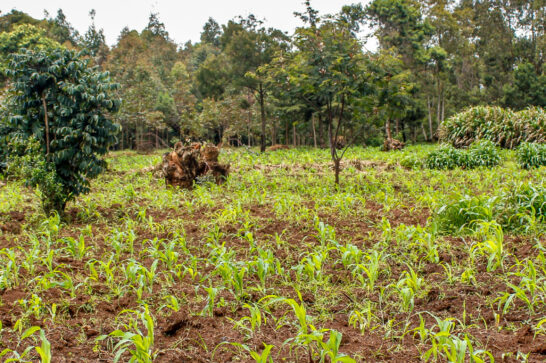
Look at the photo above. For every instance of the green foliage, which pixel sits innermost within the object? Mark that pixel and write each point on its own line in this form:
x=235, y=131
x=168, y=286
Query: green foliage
x=531, y=155
x=57, y=100
x=445, y=157
x=28, y=162
x=463, y=212
x=504, y=127
x=23, y=36
x=481, y=153
x=522, y=208
x=529, y=88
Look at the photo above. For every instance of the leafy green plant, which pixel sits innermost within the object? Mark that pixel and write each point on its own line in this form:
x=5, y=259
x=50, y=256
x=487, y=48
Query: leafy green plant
x=492, y=237
x=139, y=344
x=502, y=126
x=464, y=212
x=445, y=157
x=531, y=155
x=59, y=102
x=481, y=153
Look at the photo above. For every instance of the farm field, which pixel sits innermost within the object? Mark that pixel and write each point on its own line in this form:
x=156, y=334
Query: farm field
x=398, y=265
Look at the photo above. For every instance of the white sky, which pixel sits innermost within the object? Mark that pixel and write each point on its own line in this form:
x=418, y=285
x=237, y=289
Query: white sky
x=183, y=19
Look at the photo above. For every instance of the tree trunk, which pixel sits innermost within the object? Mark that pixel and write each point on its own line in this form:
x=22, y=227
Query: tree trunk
x=294, y=135
x=443, y=109
x=262, y=111
x=429, y=106
x=438, y=110
x=321, y=131
x=388, y=129
x=337, y=168
x=314, y=132
x=273, y=132
x=46, y=121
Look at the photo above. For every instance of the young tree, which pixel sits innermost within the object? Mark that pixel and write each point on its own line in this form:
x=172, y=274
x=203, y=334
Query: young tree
x=59, y=109
x=330, y=73
x=249, y=46
x=94, y=41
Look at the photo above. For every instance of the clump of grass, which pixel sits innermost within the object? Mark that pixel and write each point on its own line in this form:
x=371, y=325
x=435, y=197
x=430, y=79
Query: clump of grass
x=522, y=208
x=482, y=153
x=531, y=155
x=464, y=213
x=503, y=127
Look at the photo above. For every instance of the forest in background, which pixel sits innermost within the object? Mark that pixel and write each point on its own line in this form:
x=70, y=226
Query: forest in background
x=246, y=84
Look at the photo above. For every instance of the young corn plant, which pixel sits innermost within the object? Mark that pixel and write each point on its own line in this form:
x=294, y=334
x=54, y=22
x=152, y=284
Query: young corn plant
x=493, y=244
x=367, y=273
x=249, y=324
x=263, y=357
x=139, y=344
x=76, y=247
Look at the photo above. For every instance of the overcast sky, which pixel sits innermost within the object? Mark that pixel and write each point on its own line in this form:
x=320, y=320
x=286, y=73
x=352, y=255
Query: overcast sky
x=183, y=19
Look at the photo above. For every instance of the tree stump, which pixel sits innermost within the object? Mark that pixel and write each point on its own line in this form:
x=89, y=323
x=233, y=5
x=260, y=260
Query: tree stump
x=392, y=144
x=182, y=166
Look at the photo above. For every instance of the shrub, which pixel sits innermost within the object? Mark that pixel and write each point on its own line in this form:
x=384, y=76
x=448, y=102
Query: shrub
x=58, y=123
x=503, y=127
x=481, y=153
x=445, y=157
x=522, y=205
x=412, y=162
x=463, y=212
x=521, y=208
x=531, y=155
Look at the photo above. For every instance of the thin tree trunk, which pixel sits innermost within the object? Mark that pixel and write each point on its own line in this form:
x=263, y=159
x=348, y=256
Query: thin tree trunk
x=438, y=109
x=443, y=108
x=388, y=129
x=337, y=168
x=262, y=111
x=429, y=106
x=320, y=131
x=248, y=125
x=314, y=132
x=424, y=132
x=273, y=132
x=46, y=120
x=294, y=135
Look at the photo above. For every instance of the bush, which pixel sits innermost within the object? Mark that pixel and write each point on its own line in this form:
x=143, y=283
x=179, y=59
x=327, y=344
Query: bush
x=522, y=208
x=531, y=155
x=481, y=153
x=445, y=157
x=412, y=162
x=464, y=212
x=523, y=205
x=503, y=127
x=58, y=123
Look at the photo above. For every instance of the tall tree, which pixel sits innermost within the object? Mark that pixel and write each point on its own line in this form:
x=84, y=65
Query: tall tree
x=249, y=46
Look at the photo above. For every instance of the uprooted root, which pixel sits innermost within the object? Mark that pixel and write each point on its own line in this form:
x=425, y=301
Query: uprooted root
x=186, y=163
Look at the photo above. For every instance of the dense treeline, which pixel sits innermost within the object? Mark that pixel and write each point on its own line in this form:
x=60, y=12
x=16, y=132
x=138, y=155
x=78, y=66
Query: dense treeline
x=244, y=83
